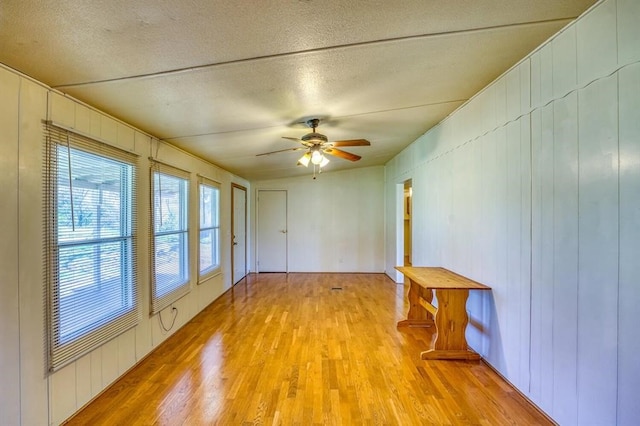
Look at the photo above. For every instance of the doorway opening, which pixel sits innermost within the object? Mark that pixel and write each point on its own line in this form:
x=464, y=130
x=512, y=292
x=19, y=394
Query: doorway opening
x=407, y=222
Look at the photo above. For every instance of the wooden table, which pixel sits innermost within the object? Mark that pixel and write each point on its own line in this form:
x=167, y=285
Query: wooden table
x=450, y=317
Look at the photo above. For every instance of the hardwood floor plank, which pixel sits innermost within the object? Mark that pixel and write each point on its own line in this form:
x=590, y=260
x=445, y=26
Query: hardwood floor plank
x=306, y=349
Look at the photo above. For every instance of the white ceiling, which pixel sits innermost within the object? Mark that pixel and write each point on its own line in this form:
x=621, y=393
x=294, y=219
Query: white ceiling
x=226, y=80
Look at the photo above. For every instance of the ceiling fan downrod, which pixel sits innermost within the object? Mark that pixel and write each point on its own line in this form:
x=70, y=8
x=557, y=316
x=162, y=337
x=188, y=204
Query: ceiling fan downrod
x=313, y=123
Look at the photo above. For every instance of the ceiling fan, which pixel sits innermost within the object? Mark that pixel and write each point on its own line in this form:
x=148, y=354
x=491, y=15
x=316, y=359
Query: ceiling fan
x=317, y=145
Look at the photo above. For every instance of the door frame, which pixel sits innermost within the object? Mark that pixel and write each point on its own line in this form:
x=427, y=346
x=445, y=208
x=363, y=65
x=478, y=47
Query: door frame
x=242, y=188
x=257, y=227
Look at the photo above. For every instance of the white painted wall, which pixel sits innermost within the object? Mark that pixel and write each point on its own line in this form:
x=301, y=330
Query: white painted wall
x=533, y=187
x=28, y=394
x=336, y=222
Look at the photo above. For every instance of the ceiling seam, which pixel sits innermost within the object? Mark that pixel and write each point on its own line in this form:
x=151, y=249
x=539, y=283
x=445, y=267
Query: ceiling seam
x=333, y=118
x=306, y=51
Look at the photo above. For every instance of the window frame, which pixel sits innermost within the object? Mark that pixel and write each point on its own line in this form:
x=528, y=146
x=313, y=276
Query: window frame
x=74, y=284
x=214, y=270
x=160, y=299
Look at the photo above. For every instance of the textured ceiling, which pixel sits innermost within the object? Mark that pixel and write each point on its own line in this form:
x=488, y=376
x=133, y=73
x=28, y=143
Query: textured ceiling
x=226, y=80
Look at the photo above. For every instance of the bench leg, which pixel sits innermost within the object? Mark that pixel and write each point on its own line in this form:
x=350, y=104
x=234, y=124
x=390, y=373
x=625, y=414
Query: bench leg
x=451, y=322
x=417, y=315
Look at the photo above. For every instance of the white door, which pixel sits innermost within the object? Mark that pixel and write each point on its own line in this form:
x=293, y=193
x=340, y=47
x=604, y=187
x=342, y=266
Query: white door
x=239, y=235
x=272, y=231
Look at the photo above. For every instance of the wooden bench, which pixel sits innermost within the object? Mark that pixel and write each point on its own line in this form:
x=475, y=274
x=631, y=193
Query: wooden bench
x=450, y=317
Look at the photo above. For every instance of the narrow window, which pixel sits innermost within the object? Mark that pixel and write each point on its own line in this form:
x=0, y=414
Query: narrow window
x=170, y=236
x=209, y=247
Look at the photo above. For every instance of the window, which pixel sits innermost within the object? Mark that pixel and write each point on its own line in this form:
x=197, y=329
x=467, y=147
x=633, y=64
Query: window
x=170, y=242
x=90, y=244
x=209, y=260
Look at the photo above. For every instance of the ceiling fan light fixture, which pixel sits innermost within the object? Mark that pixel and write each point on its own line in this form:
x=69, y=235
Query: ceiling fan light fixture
x=324, y=161
x=304, y=160
x=316, y=157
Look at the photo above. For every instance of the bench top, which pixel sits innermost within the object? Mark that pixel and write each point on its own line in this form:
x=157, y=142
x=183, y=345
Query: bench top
x=439, y=278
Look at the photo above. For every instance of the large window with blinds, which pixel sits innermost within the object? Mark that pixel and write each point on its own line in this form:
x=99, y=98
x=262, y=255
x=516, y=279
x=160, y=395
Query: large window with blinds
x=170, y=243
x=209, y=247
x=90, y=244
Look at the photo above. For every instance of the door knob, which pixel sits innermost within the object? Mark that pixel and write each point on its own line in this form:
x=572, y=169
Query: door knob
x=284, y=231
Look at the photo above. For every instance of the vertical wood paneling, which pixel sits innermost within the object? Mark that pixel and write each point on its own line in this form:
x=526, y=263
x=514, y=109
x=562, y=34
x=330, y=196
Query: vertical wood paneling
x=492, y=346
x=500, y=98
x=82, y=118
x=9, y=291
x=596, y=42
x=62, y=110
x=34, y=400
x=62, y=393
x=628, y=31
x=598, y=252
x=485, y=106
x=514, y=94
x=126, y=137
x=535, y=86
x=525, y=85
x=565, y=255
x=126, y=351
x=500, y=296
x=572, y=318
x=476, y=336
x=548, y=237
x=109, y=362
x=546, y=75
x=95, y=124
x=512, y=266
x=83, y=381
x=109, y=130
x=536, y=254
x=96, y=371
x=564, y=62
x=524, y=341
x=629, y=298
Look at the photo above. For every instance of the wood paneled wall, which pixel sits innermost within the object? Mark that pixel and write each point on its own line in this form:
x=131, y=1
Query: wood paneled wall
x=29, y=395
x=533, y=187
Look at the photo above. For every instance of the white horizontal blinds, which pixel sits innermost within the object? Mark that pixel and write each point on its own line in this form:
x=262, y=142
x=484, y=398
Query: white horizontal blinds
x=170, y=230
x=209, y=232
x=90, y=243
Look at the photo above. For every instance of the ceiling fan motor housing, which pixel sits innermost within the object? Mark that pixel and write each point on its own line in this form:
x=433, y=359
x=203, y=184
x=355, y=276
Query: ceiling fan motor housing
x=315, y=138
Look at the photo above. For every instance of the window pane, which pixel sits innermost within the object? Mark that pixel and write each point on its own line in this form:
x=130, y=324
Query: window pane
x=170, y=203
x=206, y=206
x=98, y=189
x=170, y=262
x=209, y=232
x=95, y=286
x=208, y=250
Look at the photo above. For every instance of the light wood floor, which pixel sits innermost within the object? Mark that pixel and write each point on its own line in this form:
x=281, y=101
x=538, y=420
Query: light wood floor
x=293, y=349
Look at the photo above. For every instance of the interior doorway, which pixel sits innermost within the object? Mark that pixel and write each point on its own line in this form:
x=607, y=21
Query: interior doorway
x=407, y=222
x=238, y=232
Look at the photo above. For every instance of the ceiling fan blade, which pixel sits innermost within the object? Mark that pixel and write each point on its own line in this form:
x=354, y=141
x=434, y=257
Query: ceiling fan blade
x=281, y=150
x=305, y=143
x=351, y=142
x=342, y=154
x=293, y=139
